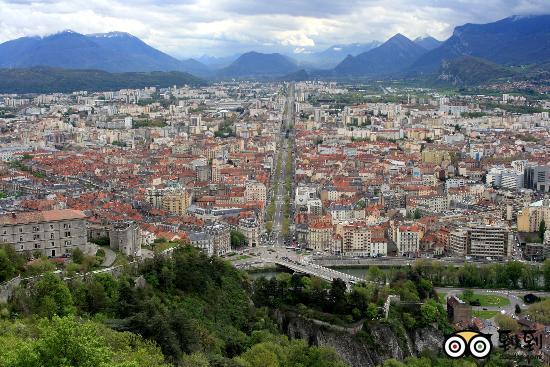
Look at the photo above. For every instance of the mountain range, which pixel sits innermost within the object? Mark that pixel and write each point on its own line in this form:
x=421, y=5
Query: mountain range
x=392, y=56
x=112, y=52
x=513, y=41
x=331, y=56
x=254, y=64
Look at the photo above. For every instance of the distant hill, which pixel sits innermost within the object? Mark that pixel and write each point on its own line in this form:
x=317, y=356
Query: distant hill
x=392, y=56
x=255, y=64
x=112, y=52
x=429, y=43
x=215, y=62
x=510, y=41
x=49, y=80
x=333, y=55
x=468, y=70
x=297, y=76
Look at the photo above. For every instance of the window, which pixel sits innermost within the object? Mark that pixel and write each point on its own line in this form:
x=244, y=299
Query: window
x=51, y=226
x=20, y=238
x=35, y=229
x=51, y=236
x=36, y=245
x=20, y=229
x=67, y=243
x=5, y=231
x=67, y=234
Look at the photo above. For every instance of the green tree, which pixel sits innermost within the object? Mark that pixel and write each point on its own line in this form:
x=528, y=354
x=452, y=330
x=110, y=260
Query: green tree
x=238, y=239
x=546, y=273
x=374, y=274
x=372, y=311
x=540, y=311
x=7, y=269
x=542, y=230
x=429, y=313
x=78, y=256
x=50, y=296
x=337, y=296
x=194, y=360
x=62, y=342
x=408, y=292
x=262, y=355
x=408, y=320
x=514, y=271
x=507, y=323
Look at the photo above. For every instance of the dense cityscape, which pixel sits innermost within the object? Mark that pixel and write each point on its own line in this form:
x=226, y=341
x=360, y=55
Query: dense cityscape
x=293, y=220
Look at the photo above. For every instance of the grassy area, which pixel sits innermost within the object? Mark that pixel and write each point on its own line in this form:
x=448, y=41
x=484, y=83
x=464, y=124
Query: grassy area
x=487, y=299
x=484, y=314
x=241, y=257
x=120, y=259
x=442, y=297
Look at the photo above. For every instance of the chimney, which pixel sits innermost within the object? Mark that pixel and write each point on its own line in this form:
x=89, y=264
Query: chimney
x=13, y=215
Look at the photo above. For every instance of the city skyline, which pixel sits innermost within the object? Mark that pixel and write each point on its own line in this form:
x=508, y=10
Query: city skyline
x=226, y=28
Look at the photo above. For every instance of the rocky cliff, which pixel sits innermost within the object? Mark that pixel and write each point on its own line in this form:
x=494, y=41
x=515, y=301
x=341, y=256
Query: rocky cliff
x=364, y=346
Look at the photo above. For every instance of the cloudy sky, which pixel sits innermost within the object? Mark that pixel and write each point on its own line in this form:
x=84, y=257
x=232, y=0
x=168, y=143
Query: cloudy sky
x=186, y=28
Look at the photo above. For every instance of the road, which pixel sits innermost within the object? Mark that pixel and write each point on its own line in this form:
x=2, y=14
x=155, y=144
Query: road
x=514, y=296
x=110, y=255
x=277, y=236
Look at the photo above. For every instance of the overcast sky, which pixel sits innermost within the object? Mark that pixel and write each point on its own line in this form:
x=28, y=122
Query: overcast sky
x=221, y=27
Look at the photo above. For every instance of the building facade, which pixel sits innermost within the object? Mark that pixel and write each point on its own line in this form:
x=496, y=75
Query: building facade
x=51, y=233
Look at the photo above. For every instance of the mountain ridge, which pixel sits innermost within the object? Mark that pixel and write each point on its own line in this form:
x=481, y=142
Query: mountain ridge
x=111, y=52
x=259, y=64
x=392, y=56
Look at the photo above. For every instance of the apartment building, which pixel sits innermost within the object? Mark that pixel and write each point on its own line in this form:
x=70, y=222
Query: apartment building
x=458, y=242
x=212, y=240
x=481, y=241
x=51, y=233
x=255, y=191
x=319, y=236
x=251, y=230
x=172, y=199
x=489, y=241
x=408, y=239
x=529, y=218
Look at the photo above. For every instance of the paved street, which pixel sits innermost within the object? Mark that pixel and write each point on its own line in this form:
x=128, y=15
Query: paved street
x=277, y=235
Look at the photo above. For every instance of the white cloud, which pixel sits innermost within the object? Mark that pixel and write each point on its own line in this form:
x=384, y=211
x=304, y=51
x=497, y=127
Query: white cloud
x=196, y=27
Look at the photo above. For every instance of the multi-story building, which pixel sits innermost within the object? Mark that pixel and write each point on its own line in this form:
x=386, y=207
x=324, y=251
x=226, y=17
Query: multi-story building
x=304, y=194
x=51, y=233
x=356, y=239
x=408, y=239
x=172, y=199
x=251, y=230
x=458, y=242
x=489, y=241
x=319, y=236
x=125, y=236
x=537, y=177
x=529, y=218
x=255, y=191
x=176, y=201
x=480, y=241
x=212, y=240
